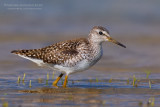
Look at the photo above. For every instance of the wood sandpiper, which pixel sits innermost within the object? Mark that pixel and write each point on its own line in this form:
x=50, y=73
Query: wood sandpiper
x=70, y=56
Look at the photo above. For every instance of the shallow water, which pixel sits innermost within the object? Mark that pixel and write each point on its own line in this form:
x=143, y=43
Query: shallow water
x=110, y=82
x=105, y=84
x=80, y=93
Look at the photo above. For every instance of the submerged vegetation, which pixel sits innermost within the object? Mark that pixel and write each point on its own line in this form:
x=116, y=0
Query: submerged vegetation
x=47, y=79
x=151, y=102
x=24, y=77
x=30, y=84
x=147, y=74
x=18, y=81
x=53, y=75
x=132, y=85
x=135, y=82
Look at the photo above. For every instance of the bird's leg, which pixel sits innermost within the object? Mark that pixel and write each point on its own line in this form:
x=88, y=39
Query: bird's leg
x=56, y=81
x=65, y=81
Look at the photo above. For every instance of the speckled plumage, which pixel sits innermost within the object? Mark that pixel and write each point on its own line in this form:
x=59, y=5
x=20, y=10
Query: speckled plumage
x=72, y=55
x=66, y=53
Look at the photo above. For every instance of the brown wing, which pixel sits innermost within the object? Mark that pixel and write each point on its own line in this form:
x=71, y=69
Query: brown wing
x=59, y=57
x=61, y=52
x=56, y=54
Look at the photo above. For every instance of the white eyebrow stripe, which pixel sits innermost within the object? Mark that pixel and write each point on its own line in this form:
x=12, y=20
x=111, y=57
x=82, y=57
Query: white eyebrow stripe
x=104, y=32
x=97, y=30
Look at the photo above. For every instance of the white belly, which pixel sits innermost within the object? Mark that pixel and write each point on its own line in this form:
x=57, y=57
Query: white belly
x=80, y=66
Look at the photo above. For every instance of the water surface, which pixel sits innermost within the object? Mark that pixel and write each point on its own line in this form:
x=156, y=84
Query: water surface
x=110, y=82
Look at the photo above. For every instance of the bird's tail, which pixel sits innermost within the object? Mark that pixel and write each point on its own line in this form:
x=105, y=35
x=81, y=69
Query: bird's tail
x=16, y=52
x=32, y=53
x=20, y=52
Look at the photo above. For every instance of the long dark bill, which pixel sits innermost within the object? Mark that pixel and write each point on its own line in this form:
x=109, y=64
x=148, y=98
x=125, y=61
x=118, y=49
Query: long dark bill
x=116, y=42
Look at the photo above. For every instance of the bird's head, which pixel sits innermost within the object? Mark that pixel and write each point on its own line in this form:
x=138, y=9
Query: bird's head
x=100, y=34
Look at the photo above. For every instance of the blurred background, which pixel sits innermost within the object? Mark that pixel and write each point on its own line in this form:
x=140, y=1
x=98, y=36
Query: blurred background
x=29, y=24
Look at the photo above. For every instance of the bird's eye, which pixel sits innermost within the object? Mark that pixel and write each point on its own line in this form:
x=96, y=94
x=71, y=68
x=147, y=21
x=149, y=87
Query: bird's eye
x=101, y=33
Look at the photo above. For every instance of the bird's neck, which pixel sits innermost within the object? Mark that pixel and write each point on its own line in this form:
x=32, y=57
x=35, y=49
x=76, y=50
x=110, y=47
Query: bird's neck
x=95, y=45
x=95, y=49
x=93, y=41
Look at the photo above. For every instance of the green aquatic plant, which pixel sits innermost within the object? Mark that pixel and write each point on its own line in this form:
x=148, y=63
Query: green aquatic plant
x=151, y=102
x=46, y=82
x=47, y=79
x=62, y=81
x=150, y=85
x=19, y=79
x=136, y=83
x=110, y=80
x=24, y=77
x=30, y=84
x=23, y=83
x=47, y=76
x=134, y=80
x=5, y=104
x=53, y=75
x=147, y=74
x=96, y=79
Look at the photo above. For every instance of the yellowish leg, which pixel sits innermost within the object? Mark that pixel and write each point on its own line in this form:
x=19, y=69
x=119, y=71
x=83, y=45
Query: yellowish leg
x=65, y=81
x=56, y=81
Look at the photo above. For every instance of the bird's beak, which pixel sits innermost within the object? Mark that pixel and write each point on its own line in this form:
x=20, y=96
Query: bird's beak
x=116, y=42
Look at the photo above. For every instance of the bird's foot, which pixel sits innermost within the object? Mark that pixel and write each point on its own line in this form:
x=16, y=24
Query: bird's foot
x=55, y=85
x=64, y=86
